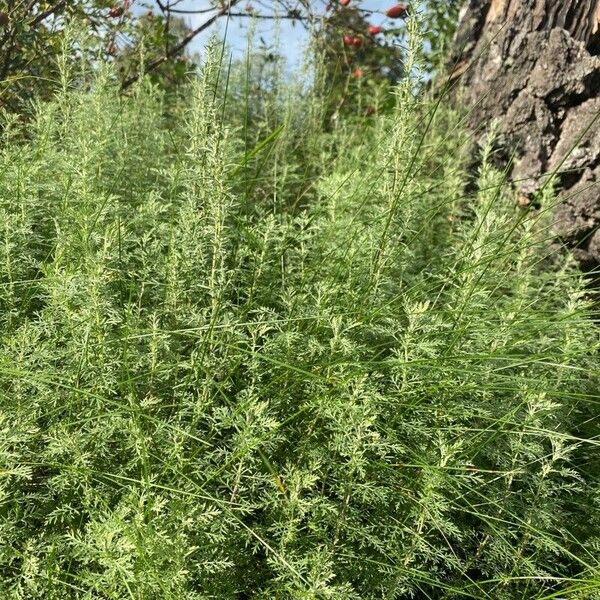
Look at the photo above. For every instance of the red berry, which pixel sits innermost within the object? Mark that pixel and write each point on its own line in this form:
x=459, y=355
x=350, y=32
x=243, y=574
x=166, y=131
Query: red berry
x=115, y=11
x=344, y=2
x=370, y=110
x=357, y=73
x=348, y=40
x=397, y=11
x=375, y=29
x=356, y=41
x=3, y=19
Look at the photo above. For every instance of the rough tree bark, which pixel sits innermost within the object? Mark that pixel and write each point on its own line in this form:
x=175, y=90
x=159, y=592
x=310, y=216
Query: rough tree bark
x=534, y=66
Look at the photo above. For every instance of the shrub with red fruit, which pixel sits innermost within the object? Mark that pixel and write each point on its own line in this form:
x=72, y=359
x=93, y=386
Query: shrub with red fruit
x=116, y=11
x=397, y=11
x=363, y=57
x=375, y=29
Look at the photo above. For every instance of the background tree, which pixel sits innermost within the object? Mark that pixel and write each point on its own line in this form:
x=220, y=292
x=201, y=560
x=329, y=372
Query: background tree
x=533, y=65
x=29, y=44
x=31, y=37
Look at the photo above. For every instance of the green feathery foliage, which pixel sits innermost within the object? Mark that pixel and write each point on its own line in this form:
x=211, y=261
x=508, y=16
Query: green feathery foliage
x=242, y=357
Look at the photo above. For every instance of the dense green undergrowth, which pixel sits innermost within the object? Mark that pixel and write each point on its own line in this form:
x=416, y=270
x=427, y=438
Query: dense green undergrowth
x=246, y=356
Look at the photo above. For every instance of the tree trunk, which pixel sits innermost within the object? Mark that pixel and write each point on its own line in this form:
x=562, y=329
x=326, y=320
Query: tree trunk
x=533, y=65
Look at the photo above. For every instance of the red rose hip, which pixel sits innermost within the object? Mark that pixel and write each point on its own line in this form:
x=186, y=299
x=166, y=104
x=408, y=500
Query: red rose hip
x=375, y=29
x=398, y=11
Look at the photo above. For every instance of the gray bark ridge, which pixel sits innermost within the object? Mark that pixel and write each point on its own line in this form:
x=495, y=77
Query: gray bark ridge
x=533, y=66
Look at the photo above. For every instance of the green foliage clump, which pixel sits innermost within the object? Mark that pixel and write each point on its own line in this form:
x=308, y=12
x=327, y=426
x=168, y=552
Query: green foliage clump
x=249, y=359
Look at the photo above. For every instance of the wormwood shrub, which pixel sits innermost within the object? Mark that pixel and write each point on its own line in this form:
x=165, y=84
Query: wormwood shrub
x=218, y=382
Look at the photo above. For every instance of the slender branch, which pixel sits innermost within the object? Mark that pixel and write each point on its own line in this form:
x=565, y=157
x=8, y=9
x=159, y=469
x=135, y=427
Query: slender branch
x=182, y=11
x=39, y=18
x=153, y=65
x=272, y=17
x=197, y=11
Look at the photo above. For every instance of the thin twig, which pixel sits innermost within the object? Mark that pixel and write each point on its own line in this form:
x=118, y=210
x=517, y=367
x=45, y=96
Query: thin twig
x=153, y=65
